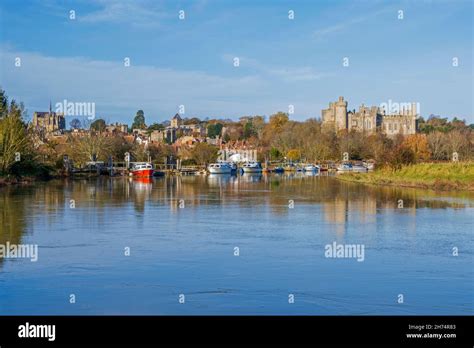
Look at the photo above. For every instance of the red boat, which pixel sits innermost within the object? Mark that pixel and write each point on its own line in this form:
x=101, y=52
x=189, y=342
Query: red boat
x=142, y=170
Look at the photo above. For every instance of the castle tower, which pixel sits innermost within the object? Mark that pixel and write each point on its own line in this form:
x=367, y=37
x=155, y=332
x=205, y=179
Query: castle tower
x=341, y=114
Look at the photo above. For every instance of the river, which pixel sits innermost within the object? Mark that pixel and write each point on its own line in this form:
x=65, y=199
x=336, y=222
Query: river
x=249, y=244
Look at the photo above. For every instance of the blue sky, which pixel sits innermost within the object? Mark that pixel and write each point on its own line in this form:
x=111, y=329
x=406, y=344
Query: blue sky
x=282, y=62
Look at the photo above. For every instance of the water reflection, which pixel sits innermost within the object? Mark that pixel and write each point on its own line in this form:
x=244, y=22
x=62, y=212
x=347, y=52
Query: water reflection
x=339, y=201
x=82, y=227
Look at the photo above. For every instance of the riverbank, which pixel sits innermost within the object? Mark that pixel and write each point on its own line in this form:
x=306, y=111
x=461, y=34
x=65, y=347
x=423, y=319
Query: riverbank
x=435, y=176
x=5, y=181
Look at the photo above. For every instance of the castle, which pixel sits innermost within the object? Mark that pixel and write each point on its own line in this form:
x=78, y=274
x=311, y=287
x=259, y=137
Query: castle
x=177, y=129
x=370, y=119
x=49, y=122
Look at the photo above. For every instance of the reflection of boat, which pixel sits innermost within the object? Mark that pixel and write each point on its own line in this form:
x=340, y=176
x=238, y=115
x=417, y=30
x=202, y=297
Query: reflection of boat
x=290, y=168
x=252, y=167
x=142, y=170
x=344, y=167
x=219, y=168
x=219, y=179
x=311, y=173
x=143, y=179
x=311, y=168
x=251, y=177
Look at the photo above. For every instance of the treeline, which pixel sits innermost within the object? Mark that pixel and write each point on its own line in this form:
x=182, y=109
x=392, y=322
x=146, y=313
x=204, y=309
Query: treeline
x=23, y=152
x=281, y=138
x=17, y=152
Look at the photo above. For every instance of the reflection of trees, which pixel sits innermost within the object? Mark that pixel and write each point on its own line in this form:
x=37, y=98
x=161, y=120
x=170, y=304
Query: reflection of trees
x=95, y=198
x=12, y=217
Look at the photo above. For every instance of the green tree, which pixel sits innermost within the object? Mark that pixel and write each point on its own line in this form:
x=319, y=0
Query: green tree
x=249, y=131
x=204, y=153
x=275, y=154
x=13, y=136
x=139, y=120
x=3, y=104
x=98, y=125
x=214, y=130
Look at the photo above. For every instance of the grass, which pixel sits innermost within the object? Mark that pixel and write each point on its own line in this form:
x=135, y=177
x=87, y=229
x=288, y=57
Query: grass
x=436, y=176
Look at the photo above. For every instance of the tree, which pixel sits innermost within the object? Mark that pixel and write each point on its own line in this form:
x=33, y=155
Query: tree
x=249, y=131
x=214, y=130
x=293, y=155
x=3, y=104
x=193, y=120
x=437, y=144
x=139, y=120
x=98, y=125
x=156, y=126
x=275, y=154
x=75, y=123
x=457, y=141
x=418, y=144
x=13, y=136
x=277, y=121
x=401, y=156
x=204, y=153
x=90, y=147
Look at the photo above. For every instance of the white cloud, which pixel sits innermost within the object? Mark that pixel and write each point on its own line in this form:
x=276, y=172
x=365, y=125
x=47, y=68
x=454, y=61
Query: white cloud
x=322, y=33
x=119, y=91
x=287, y=74
x=134, y=12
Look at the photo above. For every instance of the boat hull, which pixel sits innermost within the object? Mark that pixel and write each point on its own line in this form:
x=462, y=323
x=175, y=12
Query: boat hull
x=251, y=170
x=144, y=173
x=220, y=170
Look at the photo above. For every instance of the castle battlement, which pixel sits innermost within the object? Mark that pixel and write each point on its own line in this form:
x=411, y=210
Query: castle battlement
x=370, y=118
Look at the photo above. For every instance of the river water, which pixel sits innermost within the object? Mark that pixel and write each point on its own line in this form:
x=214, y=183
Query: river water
x=235, y=245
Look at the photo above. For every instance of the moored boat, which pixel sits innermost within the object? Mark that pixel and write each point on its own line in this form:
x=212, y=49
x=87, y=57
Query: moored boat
x=252, y=167
x=219, y=168
x=278, y=170
x=359, y=168
x=142, y=170
x=311, y=168
x=344, y=167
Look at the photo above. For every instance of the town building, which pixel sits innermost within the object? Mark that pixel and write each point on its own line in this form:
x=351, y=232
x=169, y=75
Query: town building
x=116, y=128
x=177, y=129
x=370, y=119
x=48, y=122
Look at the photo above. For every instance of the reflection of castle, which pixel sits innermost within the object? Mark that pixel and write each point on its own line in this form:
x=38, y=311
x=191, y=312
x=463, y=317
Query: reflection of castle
x=369, y=119
x=49, y=122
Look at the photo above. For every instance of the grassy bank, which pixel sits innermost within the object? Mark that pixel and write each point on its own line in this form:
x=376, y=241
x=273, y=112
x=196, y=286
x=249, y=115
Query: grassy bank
x=437, y=176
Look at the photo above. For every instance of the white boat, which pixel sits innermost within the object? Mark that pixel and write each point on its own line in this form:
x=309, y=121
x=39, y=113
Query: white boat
x=359, y=168
x=232, y=165
x=219, y=168
x=252, y=167
x=344, y=167
x=369, y=165
x=311, y=168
